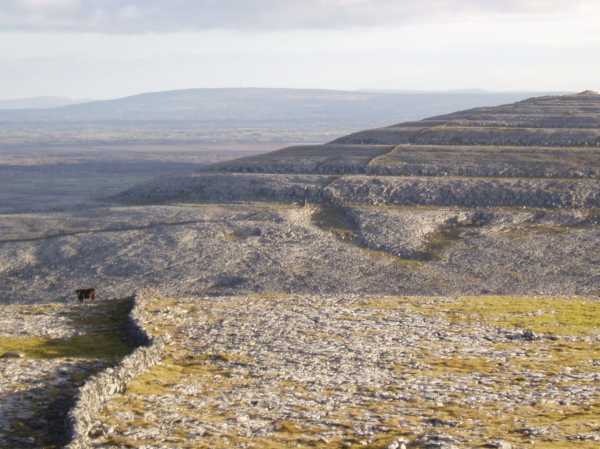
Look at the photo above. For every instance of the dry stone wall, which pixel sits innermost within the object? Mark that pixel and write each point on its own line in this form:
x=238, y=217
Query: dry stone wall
x=100, y=388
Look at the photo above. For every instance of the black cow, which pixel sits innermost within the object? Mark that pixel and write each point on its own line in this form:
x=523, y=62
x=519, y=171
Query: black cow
x=86, y=293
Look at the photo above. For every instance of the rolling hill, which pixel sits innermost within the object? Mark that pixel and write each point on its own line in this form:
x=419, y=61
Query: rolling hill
x=256, y=105
x=37, y=103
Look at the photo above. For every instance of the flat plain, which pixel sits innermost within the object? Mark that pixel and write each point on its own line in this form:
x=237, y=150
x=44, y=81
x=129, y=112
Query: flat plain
x=38, y=178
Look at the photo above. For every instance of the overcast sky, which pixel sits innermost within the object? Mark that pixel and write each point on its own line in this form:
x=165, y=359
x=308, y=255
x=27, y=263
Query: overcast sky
x=109, y=48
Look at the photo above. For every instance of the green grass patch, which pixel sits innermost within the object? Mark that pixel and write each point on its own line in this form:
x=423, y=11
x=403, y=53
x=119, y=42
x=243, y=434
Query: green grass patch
x=104, y=338
x=552, y=357
x=459, y=365
x=559, y=316
x=92, y=346
x=161, y=378
x=439, y=241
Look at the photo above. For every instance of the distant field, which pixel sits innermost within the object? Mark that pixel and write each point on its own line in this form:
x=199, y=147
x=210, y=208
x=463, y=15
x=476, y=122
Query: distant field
x=42, y=178
x=232, y=115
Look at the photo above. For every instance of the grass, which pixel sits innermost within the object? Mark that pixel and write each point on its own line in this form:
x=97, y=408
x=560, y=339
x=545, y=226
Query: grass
x=157, y=380
x=105, y=339
x=562, y=316
x=460, y=365
x=216, y=374
x=162, y=377
x=40, y=309
x=422, y=305
x=157, y=306
x=439, y=241
x=231, y=237
x=489, y=423
x=559, y=316
x=92, y=346
x=577, y=317
x=269, y=296
x=551, y=358
x=211, y=373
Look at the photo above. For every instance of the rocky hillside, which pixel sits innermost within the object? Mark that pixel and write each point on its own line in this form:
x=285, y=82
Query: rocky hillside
x=555, y=121
x=427, y=218
x=542, y=152
x=493, y=193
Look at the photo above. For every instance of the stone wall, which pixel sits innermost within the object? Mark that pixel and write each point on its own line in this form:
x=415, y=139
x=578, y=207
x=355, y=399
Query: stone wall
x=100, y=388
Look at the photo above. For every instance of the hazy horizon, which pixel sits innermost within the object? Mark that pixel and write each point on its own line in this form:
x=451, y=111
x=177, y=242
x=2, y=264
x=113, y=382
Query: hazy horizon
x=68, y=100
x=115, y=48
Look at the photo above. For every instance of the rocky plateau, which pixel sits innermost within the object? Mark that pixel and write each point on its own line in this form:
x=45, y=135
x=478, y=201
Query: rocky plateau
x=430, y=285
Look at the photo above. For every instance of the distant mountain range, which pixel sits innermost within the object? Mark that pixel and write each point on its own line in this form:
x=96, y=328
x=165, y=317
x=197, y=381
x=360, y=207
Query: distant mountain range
x=257, y=107
x=37, y=103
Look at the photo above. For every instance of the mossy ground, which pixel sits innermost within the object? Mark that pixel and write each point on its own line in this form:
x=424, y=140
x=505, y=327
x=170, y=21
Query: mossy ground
x=567, y=317
x=104, y=337
x=93, y=346
x=562, y=363
x=101, y=341
x=559, y=316
x=574, y=316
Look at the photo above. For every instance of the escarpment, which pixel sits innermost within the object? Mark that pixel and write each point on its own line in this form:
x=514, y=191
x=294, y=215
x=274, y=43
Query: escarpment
x=539, y=153
x=556, y=121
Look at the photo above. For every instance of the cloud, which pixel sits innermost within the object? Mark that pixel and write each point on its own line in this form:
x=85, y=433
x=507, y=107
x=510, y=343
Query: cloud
x=137, y=16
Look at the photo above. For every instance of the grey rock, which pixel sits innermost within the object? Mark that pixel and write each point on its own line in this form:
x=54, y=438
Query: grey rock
x=436, y=441
x=499, y=444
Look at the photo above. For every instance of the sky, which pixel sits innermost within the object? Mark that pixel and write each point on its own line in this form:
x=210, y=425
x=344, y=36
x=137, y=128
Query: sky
x=110, y=48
